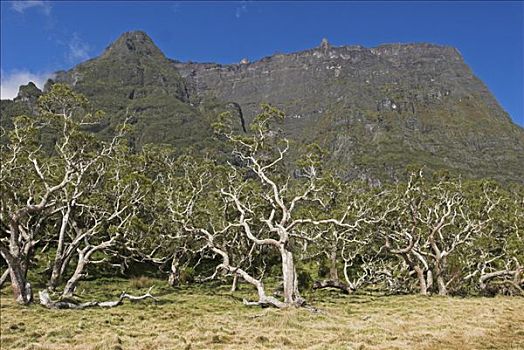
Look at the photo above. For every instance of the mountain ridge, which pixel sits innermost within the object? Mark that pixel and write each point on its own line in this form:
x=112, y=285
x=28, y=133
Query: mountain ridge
x=376, y=110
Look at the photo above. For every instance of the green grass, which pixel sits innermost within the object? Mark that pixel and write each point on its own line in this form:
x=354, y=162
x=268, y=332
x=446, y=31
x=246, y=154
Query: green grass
x=210, y=317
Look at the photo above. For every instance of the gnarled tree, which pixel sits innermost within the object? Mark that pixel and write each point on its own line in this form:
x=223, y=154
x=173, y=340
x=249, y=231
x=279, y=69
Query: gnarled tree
x=33, y=179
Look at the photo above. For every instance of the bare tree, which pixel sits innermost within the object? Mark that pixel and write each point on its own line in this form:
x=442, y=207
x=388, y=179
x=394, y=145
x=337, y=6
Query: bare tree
x=102, y=218
x=494, y=260
x=31, y=180
x=354, y=249
x=273, y=210
x=44, y=189
x=434, y=222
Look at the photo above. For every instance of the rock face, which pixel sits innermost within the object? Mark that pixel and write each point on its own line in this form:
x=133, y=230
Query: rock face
x=133, y=79
x=376, y=110
x=28, y=95
x=137, y=44
x=386, y=78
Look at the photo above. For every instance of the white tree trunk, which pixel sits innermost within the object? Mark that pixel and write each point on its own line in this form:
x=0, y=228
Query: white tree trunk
x=442, y=289
x=83, y=260
x=54, y=280
x=290, y=280
x=22, y=291
x=423, y=288
x=59, y=256
x=4, y=277
x=234, y=283
x=440, y=267
x=174, y=276
x=77, y=275
x=263, y=299
x=333, y=271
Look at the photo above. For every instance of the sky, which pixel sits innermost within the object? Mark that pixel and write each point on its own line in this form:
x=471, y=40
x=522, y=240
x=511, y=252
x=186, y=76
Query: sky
x=41, y=37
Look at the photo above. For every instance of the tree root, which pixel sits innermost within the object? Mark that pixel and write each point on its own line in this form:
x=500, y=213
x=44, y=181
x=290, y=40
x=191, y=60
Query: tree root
x=45, y=300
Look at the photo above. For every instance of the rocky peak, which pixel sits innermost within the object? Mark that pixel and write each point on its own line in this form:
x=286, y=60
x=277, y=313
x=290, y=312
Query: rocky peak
x=28, y=92
x=131, y=69
x=135, y=43
x=324, y=45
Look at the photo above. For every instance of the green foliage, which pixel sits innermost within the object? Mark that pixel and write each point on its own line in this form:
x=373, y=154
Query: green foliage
x=168, y=202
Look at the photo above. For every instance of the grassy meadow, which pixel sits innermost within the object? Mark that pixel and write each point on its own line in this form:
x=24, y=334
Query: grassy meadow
x=214, y=318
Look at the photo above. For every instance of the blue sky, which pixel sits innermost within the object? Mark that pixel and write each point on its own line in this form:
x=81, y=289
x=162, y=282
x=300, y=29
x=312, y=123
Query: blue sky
x=40, y=37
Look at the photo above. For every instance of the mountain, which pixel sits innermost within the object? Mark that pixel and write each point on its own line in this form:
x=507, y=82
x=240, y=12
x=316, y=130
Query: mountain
x=133, y=79
x=375, y=110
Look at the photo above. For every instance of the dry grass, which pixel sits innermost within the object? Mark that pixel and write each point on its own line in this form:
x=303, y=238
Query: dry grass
x=141, y=282
x=212, y=318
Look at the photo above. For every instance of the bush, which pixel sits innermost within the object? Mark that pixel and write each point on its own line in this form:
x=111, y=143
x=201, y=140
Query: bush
x=305, y=281
x=187, y=275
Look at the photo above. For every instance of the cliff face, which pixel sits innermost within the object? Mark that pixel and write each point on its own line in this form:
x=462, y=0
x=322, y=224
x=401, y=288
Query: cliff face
x=389, y=77
x=375, y=110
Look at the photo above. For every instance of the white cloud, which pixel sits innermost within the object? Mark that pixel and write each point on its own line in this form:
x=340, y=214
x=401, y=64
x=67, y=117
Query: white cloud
x=22, y=6
x=241, y=9
x=78, y=50
x=10, y=82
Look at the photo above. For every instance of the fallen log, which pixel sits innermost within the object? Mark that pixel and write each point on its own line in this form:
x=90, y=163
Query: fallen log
x=45, y=300
x=333, y=284
x=266, y=302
